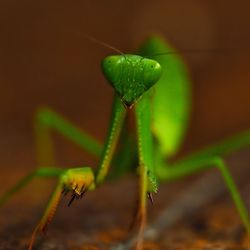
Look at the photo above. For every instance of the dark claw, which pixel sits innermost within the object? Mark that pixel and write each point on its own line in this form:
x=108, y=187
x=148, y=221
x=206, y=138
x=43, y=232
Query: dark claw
x=150, y=198
x=75, y=196
x=72, y=199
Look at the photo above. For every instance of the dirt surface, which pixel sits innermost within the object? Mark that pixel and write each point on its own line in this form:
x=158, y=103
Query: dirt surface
x=102, y=219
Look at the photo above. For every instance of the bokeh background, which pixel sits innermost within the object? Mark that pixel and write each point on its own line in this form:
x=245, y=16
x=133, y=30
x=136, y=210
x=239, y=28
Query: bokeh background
x=44, y=60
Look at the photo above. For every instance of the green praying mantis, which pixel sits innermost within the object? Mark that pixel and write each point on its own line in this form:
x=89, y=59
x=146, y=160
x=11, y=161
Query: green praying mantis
x=153, y=85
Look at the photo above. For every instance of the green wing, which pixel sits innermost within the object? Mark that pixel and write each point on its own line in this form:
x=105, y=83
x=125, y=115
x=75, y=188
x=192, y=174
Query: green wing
x=171, y=100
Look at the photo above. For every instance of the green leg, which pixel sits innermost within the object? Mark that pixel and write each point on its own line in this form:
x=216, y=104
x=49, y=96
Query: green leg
x=223, y=148
x=125, y=157
x=41, y=172
x=74, y=180
x=147, y=183
x=115, y=127
x=46, y=120
x=142, y=205
x=206, y=158
x=184, y=168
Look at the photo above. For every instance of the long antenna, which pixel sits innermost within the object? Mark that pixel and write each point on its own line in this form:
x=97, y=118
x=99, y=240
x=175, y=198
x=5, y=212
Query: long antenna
x=95, y=40
x=193, y=51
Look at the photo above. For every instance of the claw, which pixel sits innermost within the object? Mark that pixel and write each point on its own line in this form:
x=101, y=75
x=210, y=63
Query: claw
x=150, y=196
x=72, y=199
x=77, y=194
x=83, y=191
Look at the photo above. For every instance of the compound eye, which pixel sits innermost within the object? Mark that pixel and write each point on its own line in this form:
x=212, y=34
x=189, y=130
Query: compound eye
x=152, y=72
x=110, y=67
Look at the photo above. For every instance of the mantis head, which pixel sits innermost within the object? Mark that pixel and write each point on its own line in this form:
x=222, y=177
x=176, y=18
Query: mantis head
x=131, y=75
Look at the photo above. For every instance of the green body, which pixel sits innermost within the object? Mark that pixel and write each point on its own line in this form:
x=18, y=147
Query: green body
x=158, y=90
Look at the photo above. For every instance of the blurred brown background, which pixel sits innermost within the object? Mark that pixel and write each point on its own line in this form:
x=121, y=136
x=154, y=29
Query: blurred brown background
x=44, y=61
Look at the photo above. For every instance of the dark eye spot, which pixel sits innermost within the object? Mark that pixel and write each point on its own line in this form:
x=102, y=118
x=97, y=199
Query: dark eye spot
x=152, y=66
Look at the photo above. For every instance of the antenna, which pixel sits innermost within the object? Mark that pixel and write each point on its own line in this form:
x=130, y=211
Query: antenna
x=193, y=51
x=95, y=40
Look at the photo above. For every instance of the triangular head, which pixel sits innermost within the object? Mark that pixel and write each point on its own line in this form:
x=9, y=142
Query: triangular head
x=131, y=75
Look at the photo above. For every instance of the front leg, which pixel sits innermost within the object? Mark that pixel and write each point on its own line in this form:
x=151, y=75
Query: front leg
x=147, y=180
x=116, y=124
x=75, y=181
x=79, y=180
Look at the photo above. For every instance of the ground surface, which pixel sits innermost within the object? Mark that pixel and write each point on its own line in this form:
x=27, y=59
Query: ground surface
x=102, y=219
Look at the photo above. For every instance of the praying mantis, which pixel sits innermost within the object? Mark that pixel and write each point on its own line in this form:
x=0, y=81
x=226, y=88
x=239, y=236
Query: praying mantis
x=152, y=85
